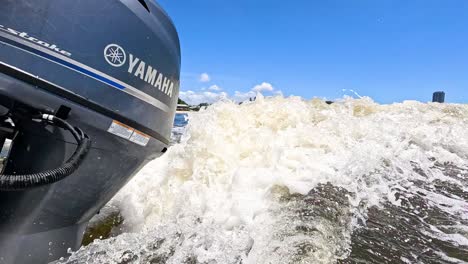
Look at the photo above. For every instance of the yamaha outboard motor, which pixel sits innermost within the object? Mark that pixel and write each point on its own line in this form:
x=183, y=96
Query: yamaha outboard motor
x=88, y=92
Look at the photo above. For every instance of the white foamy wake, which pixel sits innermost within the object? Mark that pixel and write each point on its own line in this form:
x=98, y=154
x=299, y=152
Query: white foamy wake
x=211, y=197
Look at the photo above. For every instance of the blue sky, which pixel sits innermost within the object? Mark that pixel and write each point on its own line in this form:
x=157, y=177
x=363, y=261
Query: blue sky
x=388, y=50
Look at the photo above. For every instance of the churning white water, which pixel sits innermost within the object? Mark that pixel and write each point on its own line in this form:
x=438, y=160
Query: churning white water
x=286, y=180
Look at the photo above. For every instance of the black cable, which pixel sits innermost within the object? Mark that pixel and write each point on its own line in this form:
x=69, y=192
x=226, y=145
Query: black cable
x=26, y=181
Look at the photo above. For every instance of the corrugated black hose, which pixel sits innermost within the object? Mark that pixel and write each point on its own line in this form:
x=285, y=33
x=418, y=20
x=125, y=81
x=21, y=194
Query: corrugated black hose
x=26, y=181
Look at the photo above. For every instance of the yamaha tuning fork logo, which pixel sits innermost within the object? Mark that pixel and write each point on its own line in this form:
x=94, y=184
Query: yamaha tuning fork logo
x=115, y=55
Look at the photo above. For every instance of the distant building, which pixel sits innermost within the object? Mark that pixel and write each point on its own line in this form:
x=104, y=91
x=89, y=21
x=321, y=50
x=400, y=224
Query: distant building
x=183, y=107
x=438, y=97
